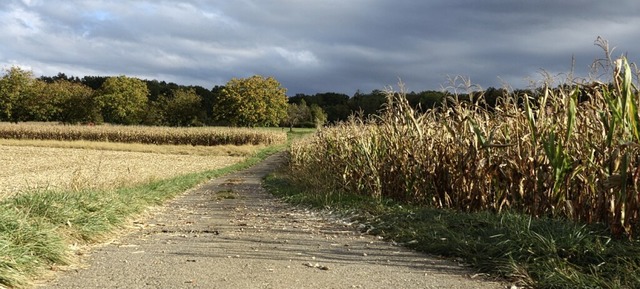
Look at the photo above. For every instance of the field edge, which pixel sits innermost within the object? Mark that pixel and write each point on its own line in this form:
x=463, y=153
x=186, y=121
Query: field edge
x=39, y=230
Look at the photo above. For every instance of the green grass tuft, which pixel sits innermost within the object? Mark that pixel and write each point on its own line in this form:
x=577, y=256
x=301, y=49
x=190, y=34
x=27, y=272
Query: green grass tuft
x=26, y=245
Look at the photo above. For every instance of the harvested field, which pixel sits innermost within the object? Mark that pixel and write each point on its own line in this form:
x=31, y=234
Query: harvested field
x=38, y=168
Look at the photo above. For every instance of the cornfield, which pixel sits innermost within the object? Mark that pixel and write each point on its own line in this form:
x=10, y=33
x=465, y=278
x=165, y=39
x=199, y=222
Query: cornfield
x=571, y=151
x=201, y=136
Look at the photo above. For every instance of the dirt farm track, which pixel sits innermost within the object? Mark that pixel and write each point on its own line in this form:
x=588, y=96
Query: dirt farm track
x=229, y=233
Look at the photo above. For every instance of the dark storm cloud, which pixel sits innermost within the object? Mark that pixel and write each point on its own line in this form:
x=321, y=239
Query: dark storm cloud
x=315, y=46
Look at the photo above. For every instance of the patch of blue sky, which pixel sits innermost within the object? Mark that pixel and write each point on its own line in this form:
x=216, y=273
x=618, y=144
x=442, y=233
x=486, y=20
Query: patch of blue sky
x=99, y=15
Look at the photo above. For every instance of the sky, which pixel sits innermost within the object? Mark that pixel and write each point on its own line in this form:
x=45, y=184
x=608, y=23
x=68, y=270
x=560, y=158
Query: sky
x=316, y=46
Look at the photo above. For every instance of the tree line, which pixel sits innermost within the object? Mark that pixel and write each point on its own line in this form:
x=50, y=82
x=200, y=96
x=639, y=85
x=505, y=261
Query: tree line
x=339, y=106
x=253, y=101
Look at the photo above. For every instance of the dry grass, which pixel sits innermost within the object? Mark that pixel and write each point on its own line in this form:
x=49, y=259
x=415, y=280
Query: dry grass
x=26, y=168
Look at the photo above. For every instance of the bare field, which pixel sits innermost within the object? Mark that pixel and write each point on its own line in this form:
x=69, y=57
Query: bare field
x=27, y=168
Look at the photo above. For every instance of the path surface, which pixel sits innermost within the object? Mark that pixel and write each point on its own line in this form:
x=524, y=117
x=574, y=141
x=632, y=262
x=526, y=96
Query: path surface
x=230, y=233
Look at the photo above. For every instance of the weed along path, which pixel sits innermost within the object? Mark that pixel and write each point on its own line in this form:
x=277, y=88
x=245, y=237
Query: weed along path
x=229, y=233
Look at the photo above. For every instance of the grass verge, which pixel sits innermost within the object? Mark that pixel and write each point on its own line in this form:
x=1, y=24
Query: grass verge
x=37, y=228
x=531, y=252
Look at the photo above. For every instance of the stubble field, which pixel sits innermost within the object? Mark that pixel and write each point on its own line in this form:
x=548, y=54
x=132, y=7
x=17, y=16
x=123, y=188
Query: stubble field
x=62, y=185
x=29, y=168
x=52, y=157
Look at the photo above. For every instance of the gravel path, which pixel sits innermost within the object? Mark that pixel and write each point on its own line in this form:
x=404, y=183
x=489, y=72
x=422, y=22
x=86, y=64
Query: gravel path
x=229, y=233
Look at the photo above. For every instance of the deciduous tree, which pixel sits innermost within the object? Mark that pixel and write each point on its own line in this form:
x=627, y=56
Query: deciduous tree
x=297, y=113
x=318, y=115
x=123, y=99
x=15, y=84
x=75, y=102
x=253, y=101
x=35, y=104
x=183, y=108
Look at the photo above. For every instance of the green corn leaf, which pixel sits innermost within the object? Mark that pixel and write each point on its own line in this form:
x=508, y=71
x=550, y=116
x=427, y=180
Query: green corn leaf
x=476, y=129
x=531, y=119
x=630, y=101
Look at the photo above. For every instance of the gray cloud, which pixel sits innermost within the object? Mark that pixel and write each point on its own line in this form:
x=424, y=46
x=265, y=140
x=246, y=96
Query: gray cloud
x=315, y=46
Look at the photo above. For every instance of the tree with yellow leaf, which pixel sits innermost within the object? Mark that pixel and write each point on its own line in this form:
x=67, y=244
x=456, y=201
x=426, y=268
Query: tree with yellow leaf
x=123, y=99
x=21, y=97
x=253, y=101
